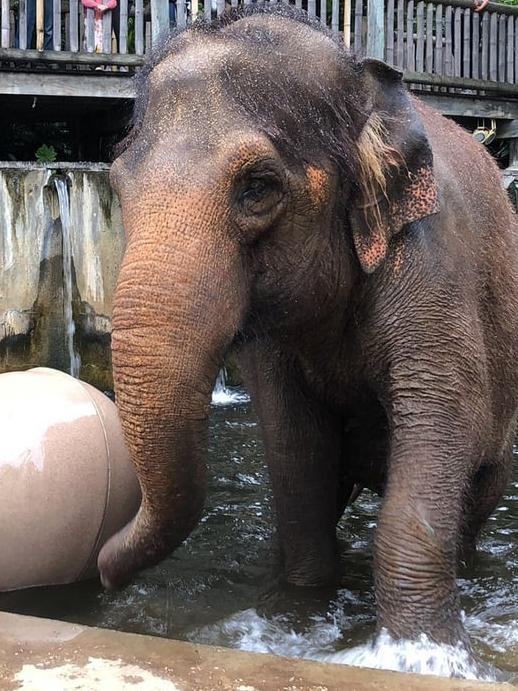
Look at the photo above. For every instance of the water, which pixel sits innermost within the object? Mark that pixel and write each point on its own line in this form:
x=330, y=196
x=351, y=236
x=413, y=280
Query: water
x=220, y=587
x=70, y=328
x=225, y=395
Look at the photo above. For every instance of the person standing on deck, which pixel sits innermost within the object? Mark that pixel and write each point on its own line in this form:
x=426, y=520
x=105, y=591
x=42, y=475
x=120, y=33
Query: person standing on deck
x=99, y=7
x=48, y=25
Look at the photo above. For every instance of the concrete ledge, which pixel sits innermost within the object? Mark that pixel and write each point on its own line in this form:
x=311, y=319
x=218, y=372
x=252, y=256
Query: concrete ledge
x=45, y=655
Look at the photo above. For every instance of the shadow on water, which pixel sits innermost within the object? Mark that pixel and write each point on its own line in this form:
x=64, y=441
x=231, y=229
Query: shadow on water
x=220, y=586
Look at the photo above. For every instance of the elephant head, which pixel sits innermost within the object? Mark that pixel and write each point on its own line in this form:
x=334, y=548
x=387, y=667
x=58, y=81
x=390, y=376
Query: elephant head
x=266, y=166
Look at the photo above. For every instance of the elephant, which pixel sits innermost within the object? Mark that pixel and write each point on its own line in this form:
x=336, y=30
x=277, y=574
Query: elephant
x=292, y=203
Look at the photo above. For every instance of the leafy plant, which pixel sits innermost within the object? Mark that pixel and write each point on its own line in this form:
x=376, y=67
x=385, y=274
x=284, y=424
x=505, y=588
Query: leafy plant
x=46, y=154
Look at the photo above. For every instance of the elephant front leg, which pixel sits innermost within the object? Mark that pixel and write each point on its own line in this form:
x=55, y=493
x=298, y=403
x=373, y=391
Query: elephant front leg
x=302, y=446
x=420, y=526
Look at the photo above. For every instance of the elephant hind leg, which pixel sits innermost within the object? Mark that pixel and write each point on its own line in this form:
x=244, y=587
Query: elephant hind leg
x=486, y=491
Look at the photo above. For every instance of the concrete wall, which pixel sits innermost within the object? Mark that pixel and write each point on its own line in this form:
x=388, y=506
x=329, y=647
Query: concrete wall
x=35, y=326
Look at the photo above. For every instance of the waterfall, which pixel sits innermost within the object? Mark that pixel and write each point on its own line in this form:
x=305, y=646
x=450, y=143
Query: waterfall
x=70, y=327
x=223, y=395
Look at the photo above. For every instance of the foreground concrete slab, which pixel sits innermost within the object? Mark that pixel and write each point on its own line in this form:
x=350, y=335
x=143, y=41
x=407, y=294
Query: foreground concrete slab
x=46, y=655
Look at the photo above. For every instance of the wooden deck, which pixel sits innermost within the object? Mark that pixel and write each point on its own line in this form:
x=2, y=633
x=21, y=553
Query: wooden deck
x=463, y=61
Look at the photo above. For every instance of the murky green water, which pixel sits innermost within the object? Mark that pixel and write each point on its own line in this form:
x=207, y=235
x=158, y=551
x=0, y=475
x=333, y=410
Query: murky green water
x=218, y=588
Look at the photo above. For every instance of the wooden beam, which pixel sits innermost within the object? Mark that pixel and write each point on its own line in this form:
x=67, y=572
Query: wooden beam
x=507, y=130
x=70, y=58
x=456, y=105
x=501, y=88
x=64, y=85
x=513, y=154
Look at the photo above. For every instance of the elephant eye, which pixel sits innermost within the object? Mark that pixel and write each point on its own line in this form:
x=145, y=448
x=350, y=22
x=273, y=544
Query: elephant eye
x=260, y=192
x=256, y=189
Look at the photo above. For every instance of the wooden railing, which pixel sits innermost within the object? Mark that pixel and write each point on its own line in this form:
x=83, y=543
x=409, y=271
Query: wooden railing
x=437, y=43
x=447, y=38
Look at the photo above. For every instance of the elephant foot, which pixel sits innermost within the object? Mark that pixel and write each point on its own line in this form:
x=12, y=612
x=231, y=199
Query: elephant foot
x=312, y=577
x=312, y=569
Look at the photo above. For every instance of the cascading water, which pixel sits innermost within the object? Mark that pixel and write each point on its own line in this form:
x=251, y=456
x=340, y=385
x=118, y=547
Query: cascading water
x=70, y=327
x=223, y=395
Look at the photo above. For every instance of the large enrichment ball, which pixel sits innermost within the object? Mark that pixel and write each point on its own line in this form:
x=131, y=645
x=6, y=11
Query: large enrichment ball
x=66, y=480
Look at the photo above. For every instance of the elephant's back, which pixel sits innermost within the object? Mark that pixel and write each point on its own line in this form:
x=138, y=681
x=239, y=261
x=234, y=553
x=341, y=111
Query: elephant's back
x=480, y=232
x=475, y=209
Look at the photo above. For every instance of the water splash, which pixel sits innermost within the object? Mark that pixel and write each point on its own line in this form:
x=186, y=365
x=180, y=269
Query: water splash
x=247, y=630
x=422, y=656
x=223, y=395
x=70, y=327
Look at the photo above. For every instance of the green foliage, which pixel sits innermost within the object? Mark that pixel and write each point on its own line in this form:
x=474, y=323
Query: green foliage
x=46, y=154
x=509, y=2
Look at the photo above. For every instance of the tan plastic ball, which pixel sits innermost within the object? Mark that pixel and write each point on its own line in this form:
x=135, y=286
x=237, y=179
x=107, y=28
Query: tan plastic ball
x=66, y=479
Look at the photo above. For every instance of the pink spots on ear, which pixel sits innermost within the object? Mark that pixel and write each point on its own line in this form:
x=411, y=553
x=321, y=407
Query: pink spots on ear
x=420, y=199
x=371, y=249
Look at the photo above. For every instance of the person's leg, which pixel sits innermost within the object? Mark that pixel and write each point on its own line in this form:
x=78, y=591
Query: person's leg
x=48, y=26
x=116, y=22
x=31, y=25
x=172, y=13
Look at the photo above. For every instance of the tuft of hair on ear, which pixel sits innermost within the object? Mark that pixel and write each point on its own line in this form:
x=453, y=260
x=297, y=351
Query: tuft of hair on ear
x=377, y=160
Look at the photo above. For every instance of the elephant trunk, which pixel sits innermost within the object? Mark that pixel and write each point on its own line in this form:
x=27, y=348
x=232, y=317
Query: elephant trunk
x=178, y=305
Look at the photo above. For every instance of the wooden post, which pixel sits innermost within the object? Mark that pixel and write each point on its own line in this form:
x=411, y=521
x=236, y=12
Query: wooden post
x=40, y=35
x=107, y=32
x=74, y=25
x=56, y=24
x=22, y=24
x=510, y=50
x=513, y=154
x=375, y=29
x=335, y=14
x=181, y=14
x=139, y=27
x=410, y=55
x=122, y=38
x=358, y=26
x=90, y=31
x=400, y=41
x=475, y=46
x=347, y=23
x=159, y=20
x=6, y=30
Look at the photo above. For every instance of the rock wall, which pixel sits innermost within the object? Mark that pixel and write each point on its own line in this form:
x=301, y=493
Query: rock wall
x=36, y=328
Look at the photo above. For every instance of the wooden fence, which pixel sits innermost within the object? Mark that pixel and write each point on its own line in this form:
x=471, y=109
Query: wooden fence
x=450, y=38
x=443, y=42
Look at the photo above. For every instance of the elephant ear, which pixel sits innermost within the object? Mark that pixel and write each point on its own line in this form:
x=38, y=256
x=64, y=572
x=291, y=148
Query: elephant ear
x=396, y=180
